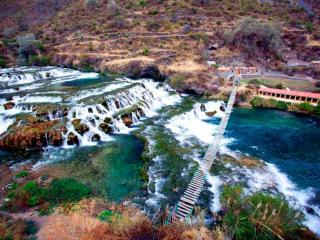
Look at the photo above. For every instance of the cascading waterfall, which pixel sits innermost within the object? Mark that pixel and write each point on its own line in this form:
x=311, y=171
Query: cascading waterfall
x=123, y=97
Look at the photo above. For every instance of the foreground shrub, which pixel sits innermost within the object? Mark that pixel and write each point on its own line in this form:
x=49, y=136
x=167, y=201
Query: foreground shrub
x=259, y=216
x=32, y=194
x=253, y=35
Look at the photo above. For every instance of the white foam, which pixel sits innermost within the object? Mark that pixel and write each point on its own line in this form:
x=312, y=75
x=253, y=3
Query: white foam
x=5, y=122
x=192, y=124
x=215, y=183
x=99, y=91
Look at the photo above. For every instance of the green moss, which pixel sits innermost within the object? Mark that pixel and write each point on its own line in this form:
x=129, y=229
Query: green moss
x=67, y=190
x=32, y=194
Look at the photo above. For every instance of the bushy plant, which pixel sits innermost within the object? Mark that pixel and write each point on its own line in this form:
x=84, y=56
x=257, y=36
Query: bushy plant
x=22, y=174
x=177, y=80
x=142, y=3
x=2, y=63
x=258, y=216
x=31, y=194
x=253, y=35
x=256, y=102
x=67, y=190
x=109, y=216
x=306, y=107
x=145, y=51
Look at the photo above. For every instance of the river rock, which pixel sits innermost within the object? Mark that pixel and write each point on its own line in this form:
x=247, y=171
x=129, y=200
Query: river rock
x=107, y=120
x=105, y=127
x=72, y=139
x=140, y=111
x=127, y=120
x=222, y=108
x=117, y=103
x=9, y=105
x=210, y=114
x=105, y=105
x=95, y=138
x=90, y=110
x=80, y=127
x=203, y=107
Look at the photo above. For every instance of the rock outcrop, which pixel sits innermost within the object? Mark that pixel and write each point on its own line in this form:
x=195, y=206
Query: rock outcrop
x=105, y=127
x=80, y=127
x=32, y=134
x=72, y=139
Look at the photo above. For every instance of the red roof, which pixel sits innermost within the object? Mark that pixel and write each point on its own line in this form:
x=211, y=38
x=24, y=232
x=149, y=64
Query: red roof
x=292, y=93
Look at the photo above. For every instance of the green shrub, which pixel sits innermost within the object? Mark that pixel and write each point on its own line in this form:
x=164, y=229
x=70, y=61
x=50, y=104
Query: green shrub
x=256, y=102
x=309, y=26
x=22, y=174
x=142, y=3
x=145, y=51
x=31, y=227
x=67, y=190
x=108, y=216
x=258, y=216
x=40, y=46
x=252, y=35
x=177, y=80
x=2, y=63
x=59, y=191
x=306, y=107
x=38, y=60
x=282, y=105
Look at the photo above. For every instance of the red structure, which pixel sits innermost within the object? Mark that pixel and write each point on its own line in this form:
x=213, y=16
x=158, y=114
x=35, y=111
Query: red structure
x=290, y=96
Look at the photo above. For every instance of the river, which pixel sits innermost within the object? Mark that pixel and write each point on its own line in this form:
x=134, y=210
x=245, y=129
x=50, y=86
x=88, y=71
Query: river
x=173, y=134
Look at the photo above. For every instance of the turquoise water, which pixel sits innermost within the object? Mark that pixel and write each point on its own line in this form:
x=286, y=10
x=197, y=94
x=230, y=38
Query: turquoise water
x=175, y=134
x=289, y=141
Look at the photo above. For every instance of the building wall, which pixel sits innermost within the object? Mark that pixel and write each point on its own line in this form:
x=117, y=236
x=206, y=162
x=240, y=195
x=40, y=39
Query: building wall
x=291, y=99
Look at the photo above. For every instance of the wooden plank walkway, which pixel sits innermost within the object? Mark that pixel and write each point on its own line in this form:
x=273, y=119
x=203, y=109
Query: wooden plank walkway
x=190, y=197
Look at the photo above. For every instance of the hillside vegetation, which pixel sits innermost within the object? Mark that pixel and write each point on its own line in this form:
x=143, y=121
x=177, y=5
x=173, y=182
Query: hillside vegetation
x=176, y=36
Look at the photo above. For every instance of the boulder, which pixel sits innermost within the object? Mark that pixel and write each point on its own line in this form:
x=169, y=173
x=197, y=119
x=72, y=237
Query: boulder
x=117, y=103
x=127, y=120
x=56, y=139
x=80, y=127
x=9, y=105
x=95, y=138
x=203, y=107
x=105, y=127
x=107, y=120
x=105, y=105
x=72, y=139
x=90, y=110
x=222, y=108
x=210, y=114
